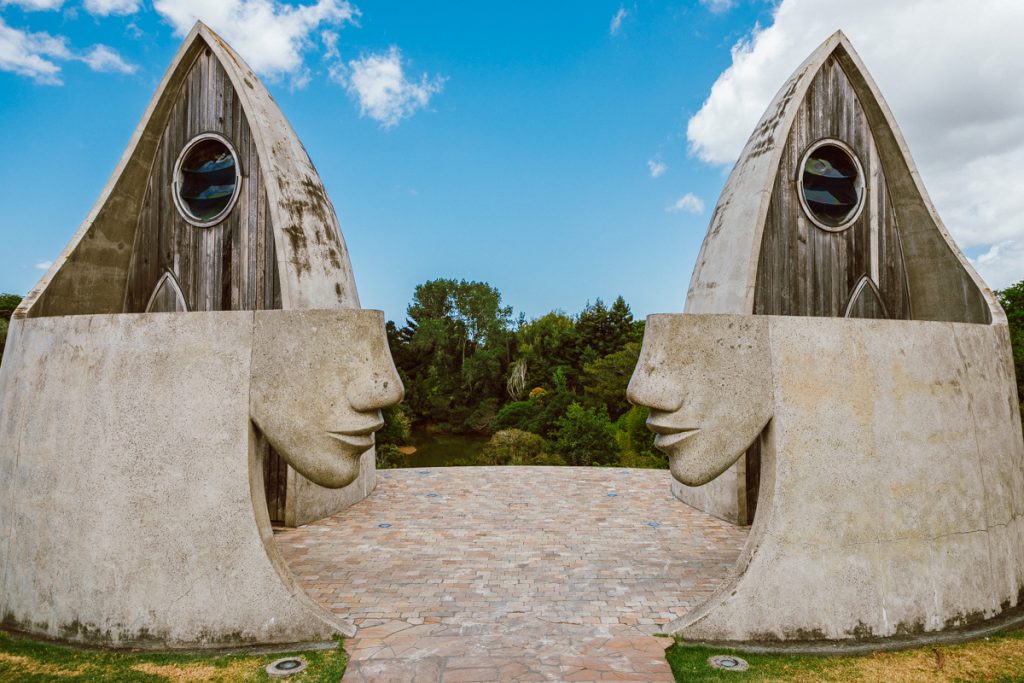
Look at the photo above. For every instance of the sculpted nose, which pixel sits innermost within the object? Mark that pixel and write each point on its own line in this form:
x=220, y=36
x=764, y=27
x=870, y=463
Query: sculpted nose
x=650, y=388
x=382, y=389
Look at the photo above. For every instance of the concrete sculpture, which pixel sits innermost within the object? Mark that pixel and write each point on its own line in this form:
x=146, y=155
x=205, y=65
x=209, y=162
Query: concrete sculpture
x=839, y=348
x=196, y=349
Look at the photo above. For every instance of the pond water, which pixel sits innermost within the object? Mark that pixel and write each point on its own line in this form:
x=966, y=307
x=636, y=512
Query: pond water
x=443, y=450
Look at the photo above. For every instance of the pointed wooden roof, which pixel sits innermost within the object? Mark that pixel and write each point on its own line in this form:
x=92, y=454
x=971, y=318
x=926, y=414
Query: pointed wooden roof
x=313, y=264
x=943, y=283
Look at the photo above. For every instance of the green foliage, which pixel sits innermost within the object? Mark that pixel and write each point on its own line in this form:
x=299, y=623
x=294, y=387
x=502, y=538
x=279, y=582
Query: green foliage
x=518, y=414
x=545, y=346
x=539, y=415
x=389, y=457
x=481, y=418
x=8, y=302
x=636, y=441
x=585, y=436
x=605, y=379
x=3, y=337
x=397, y=429
x=454, y=351
x=1012, y=301
x=516, y=447
x=23, y=660
x=462, y=358
x=997, y=657
x=605, y=330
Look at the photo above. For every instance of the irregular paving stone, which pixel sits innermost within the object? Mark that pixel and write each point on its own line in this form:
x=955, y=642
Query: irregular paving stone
x=512, y=573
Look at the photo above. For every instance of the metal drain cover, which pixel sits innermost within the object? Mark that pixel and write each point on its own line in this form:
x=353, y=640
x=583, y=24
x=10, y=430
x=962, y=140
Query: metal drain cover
x=728, y=662
x=283, y=668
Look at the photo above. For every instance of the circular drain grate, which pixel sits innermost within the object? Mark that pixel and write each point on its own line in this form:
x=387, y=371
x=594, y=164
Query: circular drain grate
x=728, y=663
x=283, y=668
x=385, y=525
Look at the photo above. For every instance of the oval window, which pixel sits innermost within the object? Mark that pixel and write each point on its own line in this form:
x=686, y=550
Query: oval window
x=206, y=180
x=831, y=185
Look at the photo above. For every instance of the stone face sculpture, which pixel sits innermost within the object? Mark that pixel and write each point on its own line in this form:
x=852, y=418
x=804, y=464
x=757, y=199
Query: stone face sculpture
x=199, y=334
x=890, y=461
x=317, y=402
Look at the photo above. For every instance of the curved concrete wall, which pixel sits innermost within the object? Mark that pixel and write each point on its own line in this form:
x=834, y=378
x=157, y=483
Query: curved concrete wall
x=131, y=502
x=892, y=483
x=943, y=285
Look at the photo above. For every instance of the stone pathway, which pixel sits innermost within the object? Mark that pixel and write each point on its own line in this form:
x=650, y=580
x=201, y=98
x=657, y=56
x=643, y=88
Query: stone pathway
x=512, y=573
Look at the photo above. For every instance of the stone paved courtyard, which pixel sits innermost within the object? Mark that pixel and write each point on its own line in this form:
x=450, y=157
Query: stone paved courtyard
x=512, y=573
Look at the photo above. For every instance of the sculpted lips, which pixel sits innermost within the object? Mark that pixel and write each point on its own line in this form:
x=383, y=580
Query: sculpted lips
x=360, y=438
x=669, y=435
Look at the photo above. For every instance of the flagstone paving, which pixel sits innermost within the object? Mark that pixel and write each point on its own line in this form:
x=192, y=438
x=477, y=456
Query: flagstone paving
x=512, y=573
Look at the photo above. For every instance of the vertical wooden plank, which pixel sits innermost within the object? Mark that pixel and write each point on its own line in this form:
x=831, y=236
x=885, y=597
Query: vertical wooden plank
x=803, y=269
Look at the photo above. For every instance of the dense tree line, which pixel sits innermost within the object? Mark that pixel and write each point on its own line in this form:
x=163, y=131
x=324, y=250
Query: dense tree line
x=1012, y=301
x=8, y=302
x=550, y=390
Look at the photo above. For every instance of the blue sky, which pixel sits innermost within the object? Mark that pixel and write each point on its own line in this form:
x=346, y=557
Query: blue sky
x=521, y=155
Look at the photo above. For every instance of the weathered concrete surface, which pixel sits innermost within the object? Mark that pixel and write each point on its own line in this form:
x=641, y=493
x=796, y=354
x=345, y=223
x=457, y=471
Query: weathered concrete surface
x=90, y=276
x=677, y=360
x=307, y=502
x=942, y=283
x=892, y=481
x=316, y=395
x=131, y=501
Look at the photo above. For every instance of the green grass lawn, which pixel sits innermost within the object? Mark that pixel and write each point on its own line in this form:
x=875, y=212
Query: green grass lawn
x=28, y=660
x=998, y=658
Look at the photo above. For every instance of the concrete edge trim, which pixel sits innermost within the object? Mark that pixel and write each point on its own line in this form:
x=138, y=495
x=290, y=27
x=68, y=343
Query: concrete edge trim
x=150, y=646
x=1009, y=620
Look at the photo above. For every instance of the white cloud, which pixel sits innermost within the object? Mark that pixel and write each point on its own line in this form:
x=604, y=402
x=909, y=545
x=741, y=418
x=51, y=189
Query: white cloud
x=657, y=167
x=32, y=54
x=33, y=5
x=950, y=71
x=689, y=203
x=44, y=265
x=379, y=84
x=103, y=58
x=718, y=6
x=36, y=55
x=613, y=28
x=104, y=8
x=1002, y=265
x=270, y=35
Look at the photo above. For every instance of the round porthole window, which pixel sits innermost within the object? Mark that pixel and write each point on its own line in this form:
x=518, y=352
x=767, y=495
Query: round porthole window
x=831, y=185
x=206, y=180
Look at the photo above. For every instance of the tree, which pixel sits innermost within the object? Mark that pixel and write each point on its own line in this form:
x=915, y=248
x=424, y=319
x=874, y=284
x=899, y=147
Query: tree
x=585, y=437
x=1012, y=301
x=8, y=302
x=454, y=351
x=545, y=344
x=636, y=441
x=605, y=330
x=516, y=447
x=605, y=380
x=397, y=429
